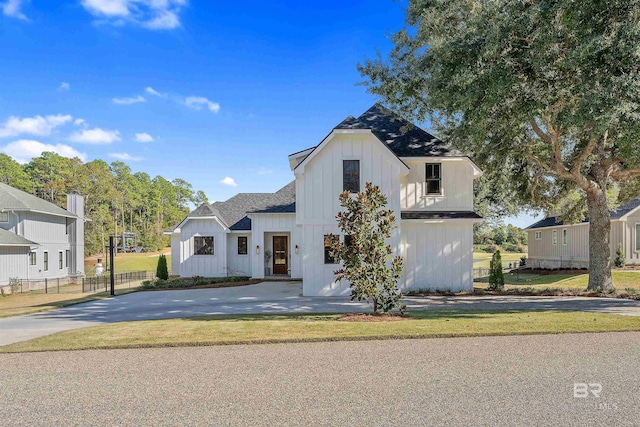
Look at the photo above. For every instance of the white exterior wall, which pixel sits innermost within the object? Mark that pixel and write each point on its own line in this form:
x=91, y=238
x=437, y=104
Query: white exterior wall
x=175, y=253
x=50, y=232
x=238, y=265
x=627, y=235
x=457, y=186
x=544, y=254
x=203, y=265
x=75, y=204
x=437, y=256
x=264, y=227
x=14, y=262
x=317, y=190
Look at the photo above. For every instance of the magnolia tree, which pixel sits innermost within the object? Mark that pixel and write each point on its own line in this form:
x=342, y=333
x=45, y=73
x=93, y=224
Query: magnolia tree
x=366, y=259
x=544, y=92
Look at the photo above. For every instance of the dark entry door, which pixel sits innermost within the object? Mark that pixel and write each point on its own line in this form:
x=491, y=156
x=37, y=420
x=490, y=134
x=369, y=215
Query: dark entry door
x=280, y=255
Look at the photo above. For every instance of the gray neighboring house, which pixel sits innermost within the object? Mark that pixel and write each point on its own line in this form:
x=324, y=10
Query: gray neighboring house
x=39, y=240
x=554, y=244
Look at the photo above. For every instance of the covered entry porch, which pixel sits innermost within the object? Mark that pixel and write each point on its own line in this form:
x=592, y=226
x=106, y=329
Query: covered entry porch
x=277, y=254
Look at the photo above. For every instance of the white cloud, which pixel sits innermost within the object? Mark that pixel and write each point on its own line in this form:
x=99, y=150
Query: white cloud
x=151, y=14
x=12, y=8
x=152, y=91
x=129, y=101
x=229, y=181
x=264, y=171
x=79, y=122
x=124, y=156
x=95, y=136
x=24, y=150
x=64, y=86
x=197, y=102
x=38, y=125
x=143, y=137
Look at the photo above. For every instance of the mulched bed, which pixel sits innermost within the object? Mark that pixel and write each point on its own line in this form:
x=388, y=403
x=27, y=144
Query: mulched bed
x=209, y=286
x=369, y=317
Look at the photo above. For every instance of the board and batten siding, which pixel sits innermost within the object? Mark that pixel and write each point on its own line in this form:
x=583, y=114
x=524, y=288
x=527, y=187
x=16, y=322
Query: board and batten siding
x=317, y=204
x=437, y=256
x=175, y=253
x=269, y=225
x=238, y=265
x=50, y=232
x=625, y=232
x=457, y=186
x=544, y=254
x=14, y=262
x=203, y=265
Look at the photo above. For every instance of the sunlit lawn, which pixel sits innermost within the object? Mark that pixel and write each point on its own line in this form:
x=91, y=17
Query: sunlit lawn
x=252, y=329
x=621, y=280
x=130, y=262
x=482, y=259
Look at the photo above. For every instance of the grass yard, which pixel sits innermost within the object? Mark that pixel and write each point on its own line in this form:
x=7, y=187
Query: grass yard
x=253, y=329
x=621, y=280
x=20, y=304
x=129, y=262
x=482, y=259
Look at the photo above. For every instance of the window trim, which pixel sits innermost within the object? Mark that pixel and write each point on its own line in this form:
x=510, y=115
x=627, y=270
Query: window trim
x=538, y=235
x=427, y=179
x=213, y=245
x=325, y=254
x=45, y=261
x=359, y=176
x=554, y=238
x=35, y=258
x=3, y=214
x=246, y=245
x=60, y=260
x=565, y=237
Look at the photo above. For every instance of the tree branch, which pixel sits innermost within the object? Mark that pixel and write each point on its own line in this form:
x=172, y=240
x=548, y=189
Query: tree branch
x=543, y=136
x=626, y=174
x=591, y=145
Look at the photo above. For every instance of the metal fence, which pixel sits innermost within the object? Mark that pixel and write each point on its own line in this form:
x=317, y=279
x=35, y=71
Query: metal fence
x=70, y=285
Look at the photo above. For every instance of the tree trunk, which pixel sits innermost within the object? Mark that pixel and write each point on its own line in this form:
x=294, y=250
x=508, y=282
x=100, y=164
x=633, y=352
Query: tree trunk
x=599, y=245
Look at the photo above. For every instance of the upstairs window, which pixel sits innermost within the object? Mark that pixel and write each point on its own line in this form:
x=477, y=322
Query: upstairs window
x=351, y=176
x=328, y=258
x=538, y=235
x=242, y=245
x=203, y=245
x=4, y=216
x=434, y=178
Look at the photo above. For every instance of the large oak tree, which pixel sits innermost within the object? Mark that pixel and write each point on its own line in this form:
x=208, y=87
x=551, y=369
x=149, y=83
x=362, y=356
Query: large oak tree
x=545, y=90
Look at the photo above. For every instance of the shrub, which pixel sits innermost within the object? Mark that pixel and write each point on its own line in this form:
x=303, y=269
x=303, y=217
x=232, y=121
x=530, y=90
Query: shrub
x=162, y=271
x=523, y=261
x=496, y=276
x=619, y=260
x=14, y=285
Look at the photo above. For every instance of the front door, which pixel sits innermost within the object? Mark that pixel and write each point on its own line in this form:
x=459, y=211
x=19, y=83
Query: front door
x=280, y=255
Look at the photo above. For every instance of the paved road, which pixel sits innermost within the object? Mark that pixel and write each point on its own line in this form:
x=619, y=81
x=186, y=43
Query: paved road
x=488, y=381
x=267, y=297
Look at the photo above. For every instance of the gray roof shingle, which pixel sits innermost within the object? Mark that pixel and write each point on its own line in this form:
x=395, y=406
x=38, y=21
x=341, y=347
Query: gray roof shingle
x=13, y=199
x=7, y=238
x=552, y=221
x=233, y=212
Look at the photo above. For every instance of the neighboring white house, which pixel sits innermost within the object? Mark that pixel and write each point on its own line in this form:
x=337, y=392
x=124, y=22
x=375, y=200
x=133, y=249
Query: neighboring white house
x=429, y=187
x=39, y=240
x=553, y=244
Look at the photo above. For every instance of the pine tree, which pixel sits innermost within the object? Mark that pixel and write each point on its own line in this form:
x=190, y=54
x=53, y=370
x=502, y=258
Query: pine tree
x=162, y=271
x=496, y=276
x=620, y=261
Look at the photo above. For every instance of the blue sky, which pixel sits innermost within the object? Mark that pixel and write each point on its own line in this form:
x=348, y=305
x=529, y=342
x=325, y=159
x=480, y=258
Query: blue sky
x=216, y=93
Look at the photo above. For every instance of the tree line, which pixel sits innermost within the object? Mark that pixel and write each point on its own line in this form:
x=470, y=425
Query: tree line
x=490, y=236
x=116, y=199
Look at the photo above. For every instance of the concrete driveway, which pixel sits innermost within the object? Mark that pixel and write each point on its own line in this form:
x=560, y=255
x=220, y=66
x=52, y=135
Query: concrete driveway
x=266, y=297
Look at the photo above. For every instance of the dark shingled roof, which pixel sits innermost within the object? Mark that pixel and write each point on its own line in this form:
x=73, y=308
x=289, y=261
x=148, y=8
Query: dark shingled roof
x=233, y=212
x=439, y=215
x=552, y=221
x=403, y=137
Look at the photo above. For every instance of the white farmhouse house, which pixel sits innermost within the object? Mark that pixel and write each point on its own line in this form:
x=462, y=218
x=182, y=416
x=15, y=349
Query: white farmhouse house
x=39, y=240
x=429, y=187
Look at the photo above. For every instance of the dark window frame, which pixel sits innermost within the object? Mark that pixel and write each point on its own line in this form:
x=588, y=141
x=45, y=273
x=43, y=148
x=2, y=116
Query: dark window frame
x=45, y=261
x=433, y=178
x=33, y=258
x=201, y=245
x=66, y=257
x=245, y=245
x=60, y=260
x=328, y=259
x=350, y=182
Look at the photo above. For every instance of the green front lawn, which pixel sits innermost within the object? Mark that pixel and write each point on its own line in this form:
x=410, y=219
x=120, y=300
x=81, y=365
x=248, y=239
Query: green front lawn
x=253, y=329
x=621, y=280
x=482, y=259
x=130, y=262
